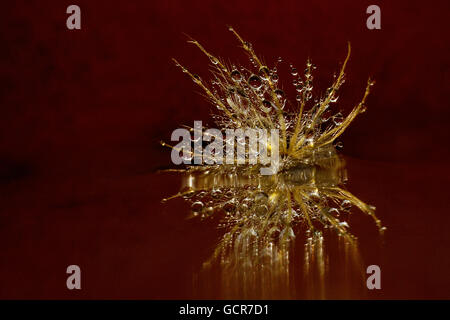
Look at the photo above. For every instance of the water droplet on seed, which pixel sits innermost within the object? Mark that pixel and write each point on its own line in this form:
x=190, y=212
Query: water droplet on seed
x=236, y=75
x=255, y=81
x=267, y=106
x=274, y=77
x=264, y=72
x=279, y=93
x=346, y=204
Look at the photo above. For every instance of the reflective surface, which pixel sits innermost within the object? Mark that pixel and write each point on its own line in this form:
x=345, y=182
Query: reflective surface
x=258, y=254
x=130, y=245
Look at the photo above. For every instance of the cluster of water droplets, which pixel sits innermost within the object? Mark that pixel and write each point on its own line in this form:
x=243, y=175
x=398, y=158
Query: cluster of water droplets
x=303, y=87
x=245, y=91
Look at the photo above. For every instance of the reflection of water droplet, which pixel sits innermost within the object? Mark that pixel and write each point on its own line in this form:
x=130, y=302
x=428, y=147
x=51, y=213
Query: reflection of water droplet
x=216, y=193
x=255, y=81
x=252, y=232
x=247, y=203
x=262, y=210
x=314, y=194
x=261, y=196
x=287, y=234
x=334, y=99
x=229, y=207
x=197, y=207
x=201, y=194
x=344, y=224
x=229, y=193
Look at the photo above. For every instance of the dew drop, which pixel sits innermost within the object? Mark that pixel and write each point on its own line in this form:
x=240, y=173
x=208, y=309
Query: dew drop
x=279, y=93
x=214, y=60
x=229, y=207
x=255, y=81
x=216, y=193
x=338, y=119
x=261, y=210
x=308, y=96
x=209, y=211
x=344, y=224
x=326, y=115
x=267, y=106
x=264, y=72
x=236, y=75
x=197, y=207
x=310, y=142
x=334, y=99
x=248, y=202
x=294, y=72
x=334, y=211
x=274, y=77
x=314, y=194
x=346, y=204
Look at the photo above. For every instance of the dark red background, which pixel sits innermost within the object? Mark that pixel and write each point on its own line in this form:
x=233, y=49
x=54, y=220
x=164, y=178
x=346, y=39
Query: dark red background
x=82, y=113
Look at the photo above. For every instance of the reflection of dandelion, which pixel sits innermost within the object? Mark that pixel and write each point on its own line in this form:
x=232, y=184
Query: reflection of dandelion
x=260, y=212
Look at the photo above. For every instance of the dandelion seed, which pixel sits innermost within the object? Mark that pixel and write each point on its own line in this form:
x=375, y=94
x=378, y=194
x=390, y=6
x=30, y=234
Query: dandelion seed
x=310, y=176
